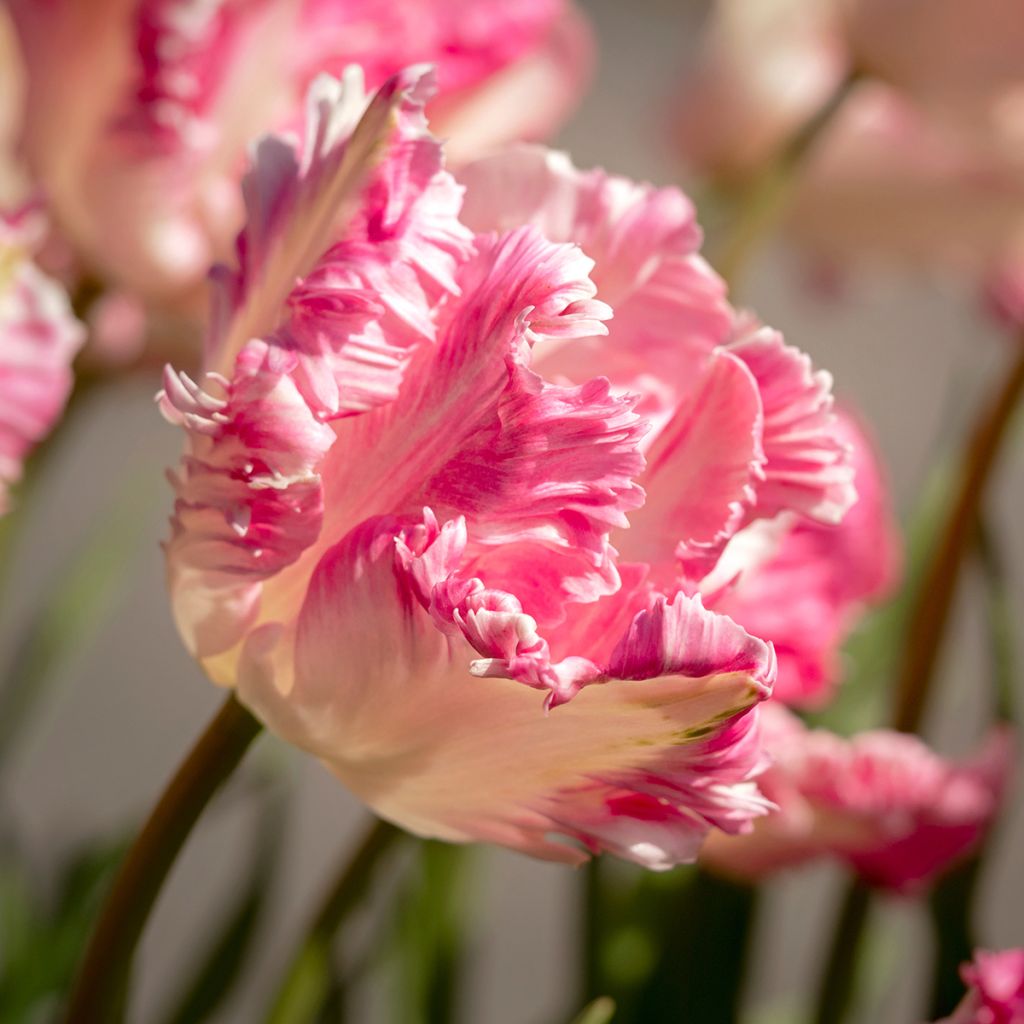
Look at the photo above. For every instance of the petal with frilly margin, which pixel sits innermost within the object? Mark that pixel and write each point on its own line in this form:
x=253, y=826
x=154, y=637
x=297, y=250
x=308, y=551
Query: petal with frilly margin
x=476, y=432
x=670, y=306
x=298, y=204
x=371, y=686
x=804, y=584
x=807, y=466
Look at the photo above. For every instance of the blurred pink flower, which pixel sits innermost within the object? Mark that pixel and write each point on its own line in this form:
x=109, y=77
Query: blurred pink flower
x=995, y=989
x=39, y=337
x=923, y=163
x=404, y=504
x=138, y=111
x=898, y=813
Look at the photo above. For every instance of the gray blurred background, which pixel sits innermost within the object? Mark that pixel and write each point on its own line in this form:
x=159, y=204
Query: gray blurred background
x=911, y=353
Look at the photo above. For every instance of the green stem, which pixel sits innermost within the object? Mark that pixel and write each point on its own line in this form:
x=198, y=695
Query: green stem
x=306, y=981
x=100, y=991
x=838, y=978
x=765, y=200
x=929, y=614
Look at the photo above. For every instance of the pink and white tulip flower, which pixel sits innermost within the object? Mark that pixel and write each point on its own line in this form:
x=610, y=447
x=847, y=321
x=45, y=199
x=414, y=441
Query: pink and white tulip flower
x=922, y=164
x=895, y=811
x=39, y=337
x=995, y=989
x=401, y=523
x=138, y=112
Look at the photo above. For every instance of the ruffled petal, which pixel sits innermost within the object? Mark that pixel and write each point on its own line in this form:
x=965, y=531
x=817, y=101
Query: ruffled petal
x=40, y=339
x=373, y=687
x=475, y=431
x=249, y=499
x=807, y=467
x=670, y=307
x=298, y=205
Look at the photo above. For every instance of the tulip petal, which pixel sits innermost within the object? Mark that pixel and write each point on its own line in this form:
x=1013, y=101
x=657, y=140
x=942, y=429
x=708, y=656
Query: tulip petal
x=385, y=698
x=807, y=466
x=670, y=307
x=297, y=205
x=702, y=473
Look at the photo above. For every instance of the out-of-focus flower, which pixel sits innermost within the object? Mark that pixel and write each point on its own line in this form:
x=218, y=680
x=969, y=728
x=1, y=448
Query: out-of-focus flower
x=804, y=584
x=138, y=111
x=995, y=989
x=925, y=159
x=404, y=504
x=897, y=812
x=39, y=337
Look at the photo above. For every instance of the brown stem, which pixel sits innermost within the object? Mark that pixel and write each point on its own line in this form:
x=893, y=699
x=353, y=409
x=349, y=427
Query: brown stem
x=100, y=991
x=929, y=614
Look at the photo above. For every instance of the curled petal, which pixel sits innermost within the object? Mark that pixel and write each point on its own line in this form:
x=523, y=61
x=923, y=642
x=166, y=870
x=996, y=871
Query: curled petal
x=297, y=205
x=475, y=431
x=249, y=500
x=807, y=467
x=371, y=686
x=670, y=307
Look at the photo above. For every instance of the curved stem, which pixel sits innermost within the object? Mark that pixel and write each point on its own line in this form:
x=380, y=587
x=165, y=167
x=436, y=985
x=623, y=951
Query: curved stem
x=766, y=198
x=100, y=990
x=302, y=991
x=929, y=614
x=839, y=975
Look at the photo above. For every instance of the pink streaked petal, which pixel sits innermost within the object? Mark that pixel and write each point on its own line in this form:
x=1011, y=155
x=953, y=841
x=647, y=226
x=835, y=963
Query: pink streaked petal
x=249, y=500
x=371, y=686
x=297, y=204
x=659, y=638
x=701, y=476
x=807, y=467
x=40, y=339
x=474, y=431
x=670, y=307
